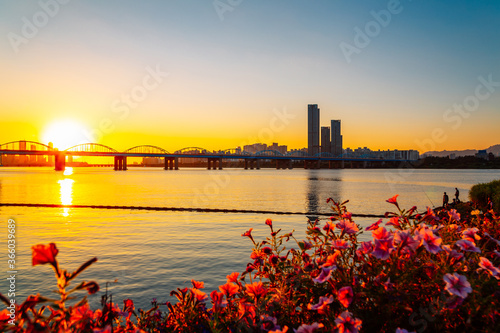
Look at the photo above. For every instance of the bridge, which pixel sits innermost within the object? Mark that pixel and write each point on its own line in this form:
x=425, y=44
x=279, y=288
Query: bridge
x=214, y=159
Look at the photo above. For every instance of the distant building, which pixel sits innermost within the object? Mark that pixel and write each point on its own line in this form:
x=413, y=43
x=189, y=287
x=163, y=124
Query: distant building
x=409, y=155
x=283, y=149
x=255, y=148
x=336, y=143
x=482, y=154
x=313, y=129
x=326, y=146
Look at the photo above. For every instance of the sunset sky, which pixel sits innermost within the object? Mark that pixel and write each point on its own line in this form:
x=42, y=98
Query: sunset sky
x=220, y=74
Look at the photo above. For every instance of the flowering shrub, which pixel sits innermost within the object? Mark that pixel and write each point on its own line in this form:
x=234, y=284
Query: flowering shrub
x=434, y=270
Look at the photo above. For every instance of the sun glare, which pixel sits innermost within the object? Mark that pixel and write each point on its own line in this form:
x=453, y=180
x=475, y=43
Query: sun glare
x=64, y=134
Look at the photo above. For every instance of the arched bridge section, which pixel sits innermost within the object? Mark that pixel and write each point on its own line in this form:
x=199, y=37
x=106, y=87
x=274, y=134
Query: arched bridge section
x=147, y=149
x=193, y=151
x=235, y=151
x=91, y=148
x=297, y=154
x=268, y=152
x=24, y=145
x=324, y=154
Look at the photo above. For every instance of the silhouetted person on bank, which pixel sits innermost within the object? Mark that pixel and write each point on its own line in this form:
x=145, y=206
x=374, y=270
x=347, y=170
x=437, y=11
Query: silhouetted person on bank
x=457, y=193
x=445, y=200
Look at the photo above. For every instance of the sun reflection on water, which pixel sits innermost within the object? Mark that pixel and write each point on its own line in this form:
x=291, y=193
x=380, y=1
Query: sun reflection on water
x=66, y=192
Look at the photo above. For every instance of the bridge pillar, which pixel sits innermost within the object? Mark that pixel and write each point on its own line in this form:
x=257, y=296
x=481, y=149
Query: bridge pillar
x=209, y=166
x=60, y=162
x=245, y=163
x=167, y=162
x=278, y=166
x=342, y=164
x=306, y=164
x=252, y=163
x=220, y=163
x=120, y=163
x=318, y=164
x=176, y=163
x=290, y=164
x=257, y=162
x=365, y=164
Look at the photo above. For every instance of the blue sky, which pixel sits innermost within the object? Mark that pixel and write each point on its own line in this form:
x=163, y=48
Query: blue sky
x=226, y=77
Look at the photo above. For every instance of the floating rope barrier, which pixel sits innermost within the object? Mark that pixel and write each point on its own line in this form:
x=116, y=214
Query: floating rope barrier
x=182, y=209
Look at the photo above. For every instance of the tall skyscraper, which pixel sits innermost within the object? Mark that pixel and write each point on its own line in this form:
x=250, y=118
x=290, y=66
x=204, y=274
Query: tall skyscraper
x=326, y=146
x=313, y=129
x=336, y=138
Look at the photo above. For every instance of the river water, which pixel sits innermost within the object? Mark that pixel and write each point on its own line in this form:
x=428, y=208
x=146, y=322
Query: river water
x=151, y=253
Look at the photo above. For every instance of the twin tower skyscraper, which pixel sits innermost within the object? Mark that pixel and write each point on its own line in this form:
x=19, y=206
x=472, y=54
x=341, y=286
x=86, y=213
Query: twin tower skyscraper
x=331, y=139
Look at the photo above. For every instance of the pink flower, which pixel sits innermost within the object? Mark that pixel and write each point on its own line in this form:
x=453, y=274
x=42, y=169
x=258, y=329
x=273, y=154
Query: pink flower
x=347, y=324
x=393, y=200
x=233, y=277
x=402, y=330
x=452, y=253
x=340, y=244
x=347, y=227
x=200, y=295
x=44, y=254
x=346, y=215
x=322, y=304
x=383, y=248
x=470, y=234
x=331, y=260
x=467, y=245
x=256, y=289
x=430, y=214
x=374, y=226
x=486, y=265
x=248, y=234
x=217, y=300
x=454, y=215
x=229, y=289
x=304, y=328
x=366, y=247
x=329, y=226
x=345, y=296
x=198, y=284
x=325, y=274
x=394, y=221
x=405, y=241
x=269, y=222
x=381, y=233
x=429, y=240
x=457, y=284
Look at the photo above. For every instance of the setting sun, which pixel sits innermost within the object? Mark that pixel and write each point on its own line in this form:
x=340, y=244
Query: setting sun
x=64, y=134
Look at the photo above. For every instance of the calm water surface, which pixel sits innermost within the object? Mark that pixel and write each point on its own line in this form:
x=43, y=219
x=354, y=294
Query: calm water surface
x=152, y=252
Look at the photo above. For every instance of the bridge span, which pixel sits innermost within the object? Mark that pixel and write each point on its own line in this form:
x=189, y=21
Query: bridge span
x=214, y=160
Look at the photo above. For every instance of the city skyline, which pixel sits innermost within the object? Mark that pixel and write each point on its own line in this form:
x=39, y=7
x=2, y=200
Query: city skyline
x=400, y=74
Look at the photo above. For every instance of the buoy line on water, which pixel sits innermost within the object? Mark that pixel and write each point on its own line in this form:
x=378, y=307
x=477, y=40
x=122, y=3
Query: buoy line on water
x=183, y=209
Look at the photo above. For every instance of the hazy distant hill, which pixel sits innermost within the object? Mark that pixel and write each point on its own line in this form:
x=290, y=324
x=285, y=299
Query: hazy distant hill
x=493, y=149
